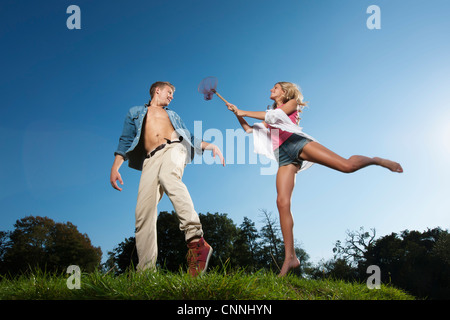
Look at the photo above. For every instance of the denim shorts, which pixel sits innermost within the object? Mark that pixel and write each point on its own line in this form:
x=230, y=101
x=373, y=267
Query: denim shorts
x=290, y=150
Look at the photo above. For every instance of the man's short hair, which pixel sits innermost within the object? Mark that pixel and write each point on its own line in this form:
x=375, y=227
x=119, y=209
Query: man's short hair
x=161, y=85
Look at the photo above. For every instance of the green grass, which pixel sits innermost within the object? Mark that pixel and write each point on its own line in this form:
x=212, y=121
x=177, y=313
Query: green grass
x=215, y=285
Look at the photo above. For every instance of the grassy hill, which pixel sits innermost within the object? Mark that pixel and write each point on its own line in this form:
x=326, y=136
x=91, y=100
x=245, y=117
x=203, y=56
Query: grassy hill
x=215, y=285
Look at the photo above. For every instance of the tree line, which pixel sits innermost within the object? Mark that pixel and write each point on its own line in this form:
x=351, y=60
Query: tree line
x=240, y=246
x=418, y=262
x=41, y=243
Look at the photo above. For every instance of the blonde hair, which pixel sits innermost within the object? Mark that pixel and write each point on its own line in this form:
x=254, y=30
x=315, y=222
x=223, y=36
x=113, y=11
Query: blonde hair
x=161, y=85
x=292, y=91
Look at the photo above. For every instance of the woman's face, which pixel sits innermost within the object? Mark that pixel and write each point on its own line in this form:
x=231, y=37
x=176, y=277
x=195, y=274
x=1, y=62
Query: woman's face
x=276, y=92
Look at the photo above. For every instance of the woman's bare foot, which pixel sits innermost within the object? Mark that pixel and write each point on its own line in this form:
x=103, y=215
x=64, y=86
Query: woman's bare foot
x=288, y=265
x=391, y=165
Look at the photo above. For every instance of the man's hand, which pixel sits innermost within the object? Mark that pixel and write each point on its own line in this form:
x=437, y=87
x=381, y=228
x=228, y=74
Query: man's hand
x=115, y=175
x=216, y=151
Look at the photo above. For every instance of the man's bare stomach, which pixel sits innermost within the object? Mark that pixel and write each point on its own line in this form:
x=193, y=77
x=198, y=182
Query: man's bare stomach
x=154, y=139
x=158, y=128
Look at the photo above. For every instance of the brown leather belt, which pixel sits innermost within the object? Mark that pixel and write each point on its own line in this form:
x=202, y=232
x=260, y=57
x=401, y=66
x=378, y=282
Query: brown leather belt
x=151, y=154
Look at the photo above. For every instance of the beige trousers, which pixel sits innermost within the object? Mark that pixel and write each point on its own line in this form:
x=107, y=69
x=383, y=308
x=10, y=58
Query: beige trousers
x=161, y=174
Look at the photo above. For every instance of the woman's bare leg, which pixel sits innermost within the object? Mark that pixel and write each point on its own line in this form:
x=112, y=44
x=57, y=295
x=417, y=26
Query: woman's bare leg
x=315, y=152
x=285, y=185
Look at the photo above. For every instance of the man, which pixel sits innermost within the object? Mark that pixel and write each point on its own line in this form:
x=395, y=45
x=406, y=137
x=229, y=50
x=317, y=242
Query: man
x=156, y=141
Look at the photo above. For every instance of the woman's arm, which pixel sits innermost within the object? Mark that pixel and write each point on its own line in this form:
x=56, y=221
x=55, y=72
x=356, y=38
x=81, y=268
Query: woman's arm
x=248, y=128
x=260, y=115
x=289, y=106
x=251, y=114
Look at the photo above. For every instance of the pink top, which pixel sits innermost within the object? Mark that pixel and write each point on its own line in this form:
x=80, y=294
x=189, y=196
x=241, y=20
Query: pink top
x=278, y=139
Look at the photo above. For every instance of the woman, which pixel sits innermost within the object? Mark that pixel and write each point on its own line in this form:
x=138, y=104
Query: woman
x=293, y=150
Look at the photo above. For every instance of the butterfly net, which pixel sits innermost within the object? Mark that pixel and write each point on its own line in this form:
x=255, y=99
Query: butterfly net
x=207, y=87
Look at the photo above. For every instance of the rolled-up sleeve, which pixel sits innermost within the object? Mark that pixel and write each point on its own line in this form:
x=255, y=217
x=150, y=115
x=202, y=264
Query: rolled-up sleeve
x=193, y=141
x=127, y=137
x=197, y=143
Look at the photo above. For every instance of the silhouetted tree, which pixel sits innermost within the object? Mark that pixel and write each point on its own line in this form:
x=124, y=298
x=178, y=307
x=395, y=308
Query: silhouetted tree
x=39, y=242
x=271, y=246
x=245, y=251
x=172, y=247
x=414, y=261
x=441, y=249
x=4, y=243
x=336, y=269
x=355, y=246
x=418, y=262
x=243, y=246
x=122, y=257
x=220, y=232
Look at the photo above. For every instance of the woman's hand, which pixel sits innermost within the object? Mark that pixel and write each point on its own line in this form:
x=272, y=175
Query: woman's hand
x=235, y=110
x=231, y=107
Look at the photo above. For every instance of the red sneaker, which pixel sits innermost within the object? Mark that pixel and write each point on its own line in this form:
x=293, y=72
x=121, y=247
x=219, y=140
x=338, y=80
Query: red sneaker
x=198, y=257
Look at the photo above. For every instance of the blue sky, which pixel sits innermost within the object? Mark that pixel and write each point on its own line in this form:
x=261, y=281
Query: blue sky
x=373, y=92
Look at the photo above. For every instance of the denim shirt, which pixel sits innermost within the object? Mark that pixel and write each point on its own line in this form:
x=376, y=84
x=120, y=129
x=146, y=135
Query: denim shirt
x=131, y=146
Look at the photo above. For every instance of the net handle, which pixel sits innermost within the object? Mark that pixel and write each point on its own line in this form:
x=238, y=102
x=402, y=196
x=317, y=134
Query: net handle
x=213, y=90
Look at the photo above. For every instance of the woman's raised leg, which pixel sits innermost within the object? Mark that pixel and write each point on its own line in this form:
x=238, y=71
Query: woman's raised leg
x=317, y=153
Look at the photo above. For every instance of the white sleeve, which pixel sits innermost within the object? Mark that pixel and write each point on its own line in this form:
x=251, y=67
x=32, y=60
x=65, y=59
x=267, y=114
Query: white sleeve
x=262, y=143
x=278, y=119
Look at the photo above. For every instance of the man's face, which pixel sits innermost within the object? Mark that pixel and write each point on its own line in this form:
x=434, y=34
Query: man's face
x=165, y=95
